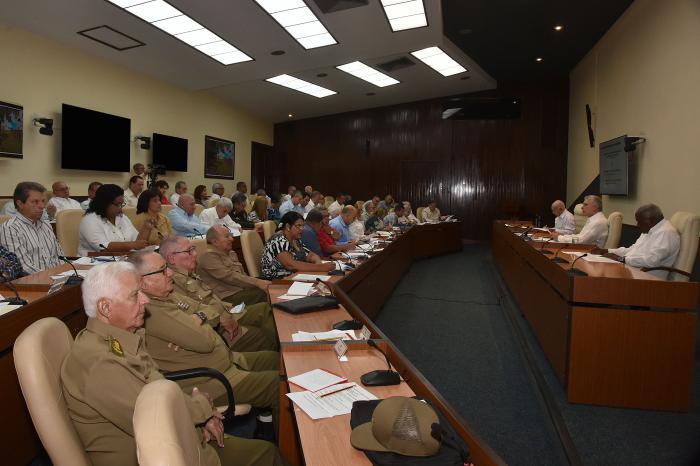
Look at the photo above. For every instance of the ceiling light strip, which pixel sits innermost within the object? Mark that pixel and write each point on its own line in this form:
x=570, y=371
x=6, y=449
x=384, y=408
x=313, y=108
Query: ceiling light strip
x=367, y=73
x=438, y=60
x=300, y=85
x=405, y=14
x=299, y=21
x=172, y=21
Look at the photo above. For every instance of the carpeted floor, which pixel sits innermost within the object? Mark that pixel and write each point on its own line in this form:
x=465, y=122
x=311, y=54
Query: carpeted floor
x=450, y=316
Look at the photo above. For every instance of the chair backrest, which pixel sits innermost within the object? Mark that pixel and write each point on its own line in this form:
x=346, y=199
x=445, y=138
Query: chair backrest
x=130, y=213
x=252, y=247
x=579, y=218
x=214, y=202
x=614, y=230
x=249, y=206
x=198, y=208
x=688, y=226
x=68, y=230
x=4, y=218
x=163, y=428
x=328, y=200
x=200, y=244
x=359, y=205
x=419, y=214
x=39, y=352
x=269, y=227
x=164, y=209
x=3, y=202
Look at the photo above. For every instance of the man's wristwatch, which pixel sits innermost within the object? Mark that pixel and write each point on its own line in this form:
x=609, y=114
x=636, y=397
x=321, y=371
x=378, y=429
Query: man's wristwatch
x=202, y=316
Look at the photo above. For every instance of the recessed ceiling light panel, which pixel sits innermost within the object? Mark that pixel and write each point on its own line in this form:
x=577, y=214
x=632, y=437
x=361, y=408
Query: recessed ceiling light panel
x=438, y=60
x=300, y=85
x=405, y=14
x=366, y=73
x=299, y=21
x=169, y=19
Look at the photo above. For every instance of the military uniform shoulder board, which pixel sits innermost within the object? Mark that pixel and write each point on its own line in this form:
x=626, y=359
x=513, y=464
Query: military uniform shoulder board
x=183, y=305
x=114, y=346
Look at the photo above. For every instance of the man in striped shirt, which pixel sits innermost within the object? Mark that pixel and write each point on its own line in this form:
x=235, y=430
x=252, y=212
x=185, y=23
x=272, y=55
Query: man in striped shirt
x=26, y=234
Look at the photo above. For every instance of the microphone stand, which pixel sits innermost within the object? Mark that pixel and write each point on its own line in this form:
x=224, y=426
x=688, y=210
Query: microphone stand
x=74, y=279
x=380, y=378
x=104, y=248
x=573, y=271
x=16, y=301
x=559, y=260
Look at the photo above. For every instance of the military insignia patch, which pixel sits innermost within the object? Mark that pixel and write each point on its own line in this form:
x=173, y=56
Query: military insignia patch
x=114, y=346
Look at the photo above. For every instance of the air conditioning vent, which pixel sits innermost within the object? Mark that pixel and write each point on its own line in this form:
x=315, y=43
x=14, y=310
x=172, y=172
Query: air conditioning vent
x=399, y=63
x=330, y=6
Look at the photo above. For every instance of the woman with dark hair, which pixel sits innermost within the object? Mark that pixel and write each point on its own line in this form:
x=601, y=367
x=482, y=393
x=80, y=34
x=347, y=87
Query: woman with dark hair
x=200, y=195
x=105, y=227
x=148, y=210
x=284, y=252
x=259, y=212
x=162, y=186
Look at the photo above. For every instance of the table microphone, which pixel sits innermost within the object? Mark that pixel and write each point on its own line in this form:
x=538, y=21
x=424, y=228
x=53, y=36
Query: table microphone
x=543, y=250
x=559, y=260
x=16, y=301
x=380, y=378
x=573, y=271
x=74, y=279
x=104, y=248
x=523, y=235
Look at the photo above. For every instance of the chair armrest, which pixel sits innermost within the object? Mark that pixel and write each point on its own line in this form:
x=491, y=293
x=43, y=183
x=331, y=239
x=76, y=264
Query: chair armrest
x=667, y=269
x=207, y=372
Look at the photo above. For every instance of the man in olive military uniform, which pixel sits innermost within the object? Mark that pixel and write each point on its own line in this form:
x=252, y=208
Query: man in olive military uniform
x=181, y=257
x=108, y=366
x=178, y=339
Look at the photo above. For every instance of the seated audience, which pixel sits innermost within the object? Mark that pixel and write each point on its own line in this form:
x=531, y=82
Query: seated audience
x=309, y=237
x=291, y=189
x=183, y=219
x=388, y=203
x=10, y=266
x=564, y=222
x=217, y=192
x=375, y=222
x=9, y=209
x=108, y=366
x=92, y=189
x=356, y=229
x=367, y=211
x=200, y=195
x=273, y=210
x=595, y=230
x=342, y=222
x=139, y=170
x=259, y=211
x=396, y=217
x=162, y=186
x=180, y=335
x=180, y=189
x=337, y=205
x=148, y=209
x=317, y=200
x=373, y=202
x=306, y=203
x=105, y=227
x=657, y=246
x=431, y=214
x=219, y=215
x=408, y=213
x=293, y=204
x=308, y=190
x=132, y=193
x=284, y=254
x=261, y=193
x=239, y=214
x=27, y=234
x=327, y=237
x=61, y=199
x=242, y=188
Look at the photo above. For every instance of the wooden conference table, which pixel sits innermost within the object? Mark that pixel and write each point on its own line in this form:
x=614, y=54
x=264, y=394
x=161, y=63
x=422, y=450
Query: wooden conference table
x=361, y=294
x=616, y=336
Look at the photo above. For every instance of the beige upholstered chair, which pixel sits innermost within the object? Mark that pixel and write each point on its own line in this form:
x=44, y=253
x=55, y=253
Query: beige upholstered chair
x=214, y=202
x=198, y=209
x=252, y=247
x=163, y=428
x=68, y=230
x=39, y=353
x=614, y=230
x=328, y=200
x=200, y=244
x=269, y=227
x=130, y=212
x=579, y=218
x=166, y=208
x=688, y=226
x=4, y=218
x=249, y=206
x=419, y=214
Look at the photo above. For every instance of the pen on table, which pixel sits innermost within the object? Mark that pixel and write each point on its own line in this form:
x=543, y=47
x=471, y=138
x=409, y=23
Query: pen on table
x=336, y=391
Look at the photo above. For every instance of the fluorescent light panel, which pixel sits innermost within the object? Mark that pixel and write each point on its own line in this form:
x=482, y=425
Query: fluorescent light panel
x=438, y=60
x=299, y=21
x=300, y=85
x=172, y=21
x=405, y=14
x=362, y=71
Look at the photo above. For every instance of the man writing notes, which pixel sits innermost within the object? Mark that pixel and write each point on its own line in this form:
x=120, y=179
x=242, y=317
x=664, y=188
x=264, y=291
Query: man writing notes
x=595, y=231
x=564, y=220
x=657, y=246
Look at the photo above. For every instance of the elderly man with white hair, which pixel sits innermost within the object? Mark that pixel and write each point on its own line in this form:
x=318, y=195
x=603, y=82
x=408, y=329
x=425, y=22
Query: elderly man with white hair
x=183, y=219
x=219, y=215
x=595, y=231
x=217, y=192
x=564, y=222
x=108, y=366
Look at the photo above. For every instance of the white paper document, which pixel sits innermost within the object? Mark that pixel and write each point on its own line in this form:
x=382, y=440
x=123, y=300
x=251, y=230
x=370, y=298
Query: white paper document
x=237, y=309
x=289, y=297
x=365, y=247
x=309, y=277
x=300, y=289
x=316, y=380
x=593, y=257
x=68, y=273
x=337, y=401
x=324, y=336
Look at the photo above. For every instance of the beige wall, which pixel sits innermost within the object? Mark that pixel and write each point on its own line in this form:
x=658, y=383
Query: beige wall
x=643, y=78
x=40, y=75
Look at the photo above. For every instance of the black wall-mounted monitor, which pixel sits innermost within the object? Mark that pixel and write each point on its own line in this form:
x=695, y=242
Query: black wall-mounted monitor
x=614, y=167
x=170, y=152
x=93, y=140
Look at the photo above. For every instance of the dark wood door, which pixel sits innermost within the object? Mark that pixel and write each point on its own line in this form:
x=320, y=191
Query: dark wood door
x=264, y=173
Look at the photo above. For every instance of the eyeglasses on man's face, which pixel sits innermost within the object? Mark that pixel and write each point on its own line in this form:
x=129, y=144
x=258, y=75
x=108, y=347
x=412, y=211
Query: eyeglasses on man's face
x=156, y=272
x=189, y=250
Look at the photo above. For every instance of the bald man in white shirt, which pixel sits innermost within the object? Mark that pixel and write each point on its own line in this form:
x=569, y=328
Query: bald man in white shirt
x=61, y=199
x=564, y=222
x=595, y=231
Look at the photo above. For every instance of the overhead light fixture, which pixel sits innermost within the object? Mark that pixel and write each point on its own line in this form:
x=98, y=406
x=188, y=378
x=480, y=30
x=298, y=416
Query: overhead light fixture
x=299, y=21
x=170, y=20
x=538, y=59
x=300, y=85
x=45, y=125
x=558, y=27
x=364, y=72
x=438, y=60
x=405, y=14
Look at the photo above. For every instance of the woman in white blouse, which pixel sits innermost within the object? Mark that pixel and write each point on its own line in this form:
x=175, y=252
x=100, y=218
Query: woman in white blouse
x=105, y=227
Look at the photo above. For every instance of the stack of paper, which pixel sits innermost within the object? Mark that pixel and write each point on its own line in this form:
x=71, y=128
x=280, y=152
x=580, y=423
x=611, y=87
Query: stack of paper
x=309, y=277
x=332, y=401
x=323, y=336
x=69, y=273
x=297, y=290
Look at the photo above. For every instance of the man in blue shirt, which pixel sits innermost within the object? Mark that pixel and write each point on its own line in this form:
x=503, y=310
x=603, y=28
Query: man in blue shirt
x=183, y=219
x=309, y=237
x=273, y=210
x=294, y=203
x=342, y=222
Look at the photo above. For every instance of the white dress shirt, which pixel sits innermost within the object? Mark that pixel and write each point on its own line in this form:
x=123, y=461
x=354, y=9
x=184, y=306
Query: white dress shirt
x=658, y=248
x=174, y=197
x=357, y=230
x=334, y=209
x=309, y=207
x=130, y=198
x=595, y=231
x=211, y=218
x=85, y=204
x=63, y=203
x=565, y=223
x=96, y=230
x=431, y=216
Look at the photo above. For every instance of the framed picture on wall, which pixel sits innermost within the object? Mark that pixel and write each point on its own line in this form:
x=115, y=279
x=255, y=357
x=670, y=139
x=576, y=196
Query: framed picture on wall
x=219, y=158
x=11, y=132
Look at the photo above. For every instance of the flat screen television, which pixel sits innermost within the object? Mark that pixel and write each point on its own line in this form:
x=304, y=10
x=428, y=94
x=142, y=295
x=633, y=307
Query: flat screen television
x=614, y=167
x=93, y=140
x=170, y=152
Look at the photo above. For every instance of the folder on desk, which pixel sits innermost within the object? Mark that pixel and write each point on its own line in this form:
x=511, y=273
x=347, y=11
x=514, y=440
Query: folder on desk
x=316, y=380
